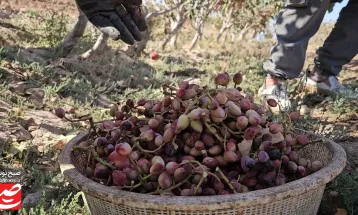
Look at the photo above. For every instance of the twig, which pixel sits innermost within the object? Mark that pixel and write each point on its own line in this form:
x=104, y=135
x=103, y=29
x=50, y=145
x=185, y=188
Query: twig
x=215, y=176
x=132, y=186
x=169, y=87
x=225, y=137
x=230, y=131
x=173, y=187
x=174, y=144
x=92, y=124
x=147, y=151
x=109, y=180
x=213, y=132
x=226, y=180
x=203, y=176
x=210, y=97
x=298, y=147
x=100, y=160
x=191, y=106
x=146, y=177
x=141, y=179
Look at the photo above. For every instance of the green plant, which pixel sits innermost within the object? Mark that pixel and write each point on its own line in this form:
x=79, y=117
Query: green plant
x=52, y=27
x=341, y=193
x=69, y=205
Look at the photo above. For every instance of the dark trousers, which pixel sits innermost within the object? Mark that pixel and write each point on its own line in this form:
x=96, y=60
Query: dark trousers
x=295, y=26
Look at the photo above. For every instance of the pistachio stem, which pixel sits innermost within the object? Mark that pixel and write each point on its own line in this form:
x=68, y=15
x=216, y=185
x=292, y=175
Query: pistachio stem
x=168, y=93
x=90, y=119
x=226, y=180
x=100, y=160
x=203, y=176
x=146, y=177
x=225, y=137
x=279, y=168
x=191, y=106
x=132, y=183
x=215, y=176
x=169, y=87
x=298, y=147
x=132, y=186
x=109, y=180
x=136, y=168
x=210, y=97
x=174, y=144
x=147, y=151
x=213, y=132
x=195, y=162
x=173, y=187
x=76, y=120
x=204, y=153
x=231, y=131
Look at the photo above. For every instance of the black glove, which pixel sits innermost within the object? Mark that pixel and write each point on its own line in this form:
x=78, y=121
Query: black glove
x=119, y=19
x=336, y=1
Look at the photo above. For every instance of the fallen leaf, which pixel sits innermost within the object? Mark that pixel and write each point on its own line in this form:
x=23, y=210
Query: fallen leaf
x=60, y=144
x=341, y=211
x=36, y=95
x=70, y=109
x=73, y=110
x=17, y=87
x=4, y=106
x=19, y=132
x=103, y=101
x=17, y=111
x=17, y=149
x=36, y=91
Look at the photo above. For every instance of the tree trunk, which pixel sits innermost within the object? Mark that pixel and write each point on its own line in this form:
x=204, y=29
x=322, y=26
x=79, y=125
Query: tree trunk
x=97, y=48
x=243, y=31
x=225, y=37
x=176, y=25
x=173, y=35
x=138, y=48
x=251, y=35
x=221, y=32
x=233, y=36
x=195, y=40
x=173, y=40
x=200, y=19
x=226, y=20
x=73, y=37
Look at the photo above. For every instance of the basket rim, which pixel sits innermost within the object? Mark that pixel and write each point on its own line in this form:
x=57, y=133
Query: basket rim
x=318, y=179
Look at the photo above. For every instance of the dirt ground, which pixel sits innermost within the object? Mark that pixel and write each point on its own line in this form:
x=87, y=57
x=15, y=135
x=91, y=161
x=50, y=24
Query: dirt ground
x=41, y=5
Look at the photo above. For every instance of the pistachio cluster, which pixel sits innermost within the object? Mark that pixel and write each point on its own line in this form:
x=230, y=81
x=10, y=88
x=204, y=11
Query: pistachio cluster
x=195, y=141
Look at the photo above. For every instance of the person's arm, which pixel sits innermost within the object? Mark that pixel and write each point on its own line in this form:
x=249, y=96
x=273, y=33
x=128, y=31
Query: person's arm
x=119, y=19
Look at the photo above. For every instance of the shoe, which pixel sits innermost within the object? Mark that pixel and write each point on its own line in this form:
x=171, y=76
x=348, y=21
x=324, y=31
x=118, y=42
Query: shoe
x=330, y=86
x=277, y=92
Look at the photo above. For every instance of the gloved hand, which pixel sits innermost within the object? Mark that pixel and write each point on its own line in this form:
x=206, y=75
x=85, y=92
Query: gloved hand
x=119, y=19
x=330, y=7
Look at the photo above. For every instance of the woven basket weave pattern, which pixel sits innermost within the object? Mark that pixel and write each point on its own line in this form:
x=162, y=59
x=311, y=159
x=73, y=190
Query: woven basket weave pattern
x=301, y=197
x=307, y=203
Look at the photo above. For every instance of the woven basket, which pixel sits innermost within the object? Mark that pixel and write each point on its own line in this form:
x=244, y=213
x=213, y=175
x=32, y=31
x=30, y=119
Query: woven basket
x=300, y=197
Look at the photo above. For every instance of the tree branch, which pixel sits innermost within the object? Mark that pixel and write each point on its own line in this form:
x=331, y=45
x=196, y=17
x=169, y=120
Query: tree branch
x=74, y=36
x=99, y=46
x=161, y=12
